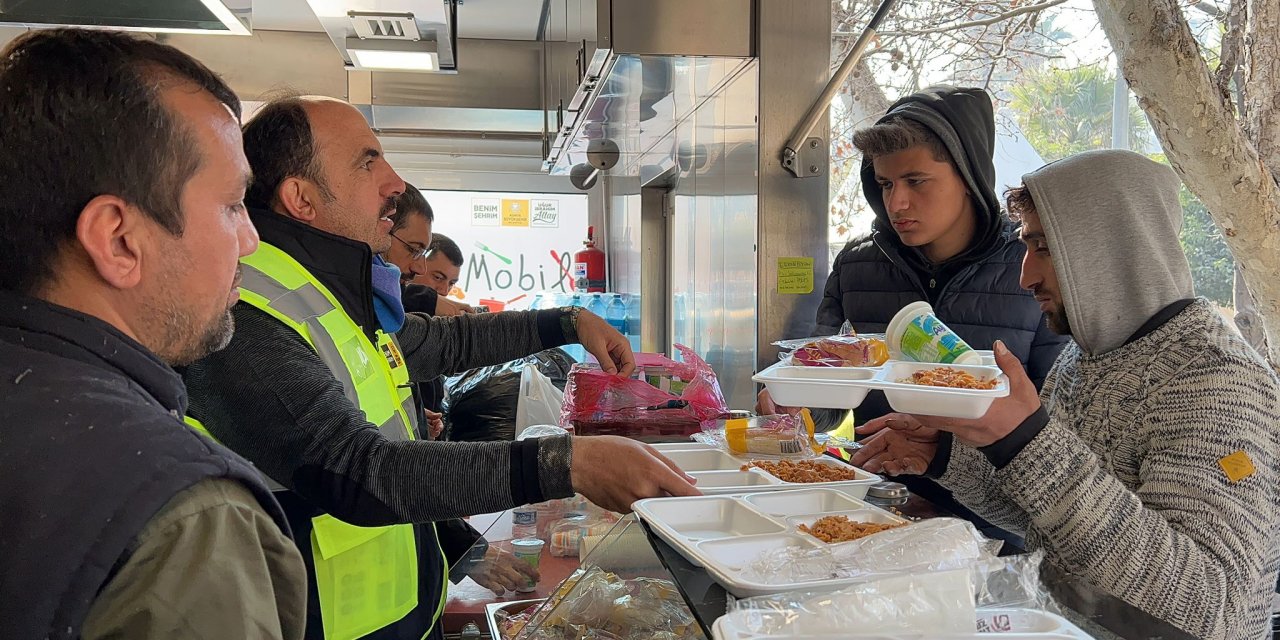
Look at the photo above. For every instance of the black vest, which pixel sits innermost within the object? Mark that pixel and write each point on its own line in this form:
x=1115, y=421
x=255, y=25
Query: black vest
x=92, y=446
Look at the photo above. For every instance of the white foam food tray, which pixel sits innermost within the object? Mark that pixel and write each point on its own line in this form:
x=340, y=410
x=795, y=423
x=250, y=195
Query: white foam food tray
x=1001, y=624
x=847, y=387
x=718, y=473
x=725, y=534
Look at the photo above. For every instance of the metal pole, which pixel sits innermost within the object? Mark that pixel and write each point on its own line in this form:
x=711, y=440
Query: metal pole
x=1120, y=112
x=819, y=107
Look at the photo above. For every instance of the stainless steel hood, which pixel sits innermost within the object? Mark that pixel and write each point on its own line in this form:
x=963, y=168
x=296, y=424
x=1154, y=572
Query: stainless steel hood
x=153, y=16
x=646, y=65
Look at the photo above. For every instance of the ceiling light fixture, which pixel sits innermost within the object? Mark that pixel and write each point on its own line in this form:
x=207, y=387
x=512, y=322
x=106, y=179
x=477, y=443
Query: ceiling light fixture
x=393, y=55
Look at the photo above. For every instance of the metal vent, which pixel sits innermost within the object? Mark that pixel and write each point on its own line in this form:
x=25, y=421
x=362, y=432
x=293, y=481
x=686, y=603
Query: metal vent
x=154, y=16
x=384, y=26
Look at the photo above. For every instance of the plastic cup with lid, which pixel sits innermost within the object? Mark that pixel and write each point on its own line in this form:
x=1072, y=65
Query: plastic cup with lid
x=528, y=550
x=917, y=334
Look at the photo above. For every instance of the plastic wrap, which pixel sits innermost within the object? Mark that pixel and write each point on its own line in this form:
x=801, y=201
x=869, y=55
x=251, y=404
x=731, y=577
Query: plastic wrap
x=778, y=435
x=938, y=544
x=842, y=351
x=598, y=403
x=985, y=594
x=596, y=604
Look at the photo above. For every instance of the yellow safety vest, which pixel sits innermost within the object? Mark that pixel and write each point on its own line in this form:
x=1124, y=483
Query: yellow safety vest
x=366, y=577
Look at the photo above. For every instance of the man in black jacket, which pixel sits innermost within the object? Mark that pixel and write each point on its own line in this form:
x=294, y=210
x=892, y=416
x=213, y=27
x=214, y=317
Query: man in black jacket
x=321, y=197
x=121, y=225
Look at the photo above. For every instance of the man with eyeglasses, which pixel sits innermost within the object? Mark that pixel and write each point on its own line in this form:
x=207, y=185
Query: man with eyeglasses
x=411, y=231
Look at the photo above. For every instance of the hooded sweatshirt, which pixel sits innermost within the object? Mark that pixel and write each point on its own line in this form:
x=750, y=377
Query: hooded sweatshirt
x=1112, y=283
x=977, y=293
x=1153, y=467
x=963, y=119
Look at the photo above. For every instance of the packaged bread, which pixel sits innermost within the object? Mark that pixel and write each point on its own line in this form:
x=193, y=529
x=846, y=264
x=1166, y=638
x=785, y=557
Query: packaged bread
x=843, y=351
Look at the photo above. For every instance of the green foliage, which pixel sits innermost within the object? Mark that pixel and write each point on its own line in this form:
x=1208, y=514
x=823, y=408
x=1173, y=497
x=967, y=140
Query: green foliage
x=1212, y=267
x=1066, y=111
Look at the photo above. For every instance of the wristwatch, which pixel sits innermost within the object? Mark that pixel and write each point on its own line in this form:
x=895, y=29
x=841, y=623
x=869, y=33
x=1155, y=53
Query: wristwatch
x=569, y=323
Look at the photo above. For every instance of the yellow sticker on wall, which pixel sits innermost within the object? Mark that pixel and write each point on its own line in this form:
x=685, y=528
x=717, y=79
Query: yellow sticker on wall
x=795, y=275
x=1237, y=466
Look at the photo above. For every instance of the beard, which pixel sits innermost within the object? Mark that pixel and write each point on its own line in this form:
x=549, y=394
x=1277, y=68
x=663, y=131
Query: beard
x=1058, y=322
x=350, y=223
x=175, y=331
x=180, y=339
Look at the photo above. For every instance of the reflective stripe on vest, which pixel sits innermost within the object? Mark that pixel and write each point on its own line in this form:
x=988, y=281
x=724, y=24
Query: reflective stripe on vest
x=367, y=577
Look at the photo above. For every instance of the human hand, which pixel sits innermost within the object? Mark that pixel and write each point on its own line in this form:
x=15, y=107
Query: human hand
x=1005, y=413
x=435, y=423
x=610, y=348
x=766, y=407
x=447, y=307
x=899, y=444
x=614, y=472
x=500, y=571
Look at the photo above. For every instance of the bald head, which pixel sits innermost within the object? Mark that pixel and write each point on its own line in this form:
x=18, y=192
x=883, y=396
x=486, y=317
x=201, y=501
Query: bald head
x=316, y=160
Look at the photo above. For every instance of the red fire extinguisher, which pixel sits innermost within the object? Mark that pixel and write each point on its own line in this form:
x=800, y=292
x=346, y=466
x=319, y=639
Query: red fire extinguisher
x=588, y=266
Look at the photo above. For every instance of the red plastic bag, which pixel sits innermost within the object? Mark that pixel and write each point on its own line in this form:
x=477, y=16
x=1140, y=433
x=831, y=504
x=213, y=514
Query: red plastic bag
x=597, y=403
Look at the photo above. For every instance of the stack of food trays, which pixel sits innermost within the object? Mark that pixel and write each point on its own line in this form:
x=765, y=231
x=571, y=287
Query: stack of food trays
x=792, y=385
x=718, y=472
x=724, y=534
x=1010, y=624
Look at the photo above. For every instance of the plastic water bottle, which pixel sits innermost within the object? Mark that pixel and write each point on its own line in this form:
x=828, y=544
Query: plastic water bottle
x=597, y=305
x=524, y=522
x=616, y=314
x=536, y=303
x=576, y=351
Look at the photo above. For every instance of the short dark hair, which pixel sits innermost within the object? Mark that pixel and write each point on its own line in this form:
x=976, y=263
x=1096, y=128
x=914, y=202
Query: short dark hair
x=410, y=202
x=83, y=117
x=442, y=243
x=1018, y=202
x=279, y=145
x=899, y=134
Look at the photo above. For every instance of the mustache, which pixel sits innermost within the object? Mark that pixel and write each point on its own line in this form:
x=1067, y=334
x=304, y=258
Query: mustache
x=235, y=284
x=389, y=208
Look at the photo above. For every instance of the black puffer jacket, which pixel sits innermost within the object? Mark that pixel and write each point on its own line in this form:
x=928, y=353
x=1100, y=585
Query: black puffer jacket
x=977, y=292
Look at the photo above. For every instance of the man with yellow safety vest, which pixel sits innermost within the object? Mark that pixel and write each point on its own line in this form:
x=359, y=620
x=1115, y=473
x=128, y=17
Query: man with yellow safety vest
x=121, y=228
x=314, y=387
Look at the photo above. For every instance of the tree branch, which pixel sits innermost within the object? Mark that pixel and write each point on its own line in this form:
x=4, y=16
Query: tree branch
x=1232, y=51
x=1031, y=8
x=1213, y=10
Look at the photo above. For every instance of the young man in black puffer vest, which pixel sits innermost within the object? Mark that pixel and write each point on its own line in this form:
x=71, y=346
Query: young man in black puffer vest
x=939, y=235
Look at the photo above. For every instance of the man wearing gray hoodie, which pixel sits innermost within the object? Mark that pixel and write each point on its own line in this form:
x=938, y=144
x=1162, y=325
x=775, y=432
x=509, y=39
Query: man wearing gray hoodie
x=1149, y=463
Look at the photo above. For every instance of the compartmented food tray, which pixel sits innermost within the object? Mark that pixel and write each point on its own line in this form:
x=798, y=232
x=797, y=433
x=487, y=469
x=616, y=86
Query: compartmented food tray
x=726, y=533
x=718, y=472
x=846, y=387
x=1004, y=624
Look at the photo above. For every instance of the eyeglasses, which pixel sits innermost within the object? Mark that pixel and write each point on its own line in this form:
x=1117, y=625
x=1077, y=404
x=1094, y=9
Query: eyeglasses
x=414, y=252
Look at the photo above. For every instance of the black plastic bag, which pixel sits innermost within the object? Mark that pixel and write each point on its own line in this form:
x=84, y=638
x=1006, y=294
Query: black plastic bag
x=481, y=405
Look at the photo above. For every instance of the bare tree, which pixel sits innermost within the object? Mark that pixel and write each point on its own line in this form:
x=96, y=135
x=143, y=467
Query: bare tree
x=1228, y=157
x=986, y=43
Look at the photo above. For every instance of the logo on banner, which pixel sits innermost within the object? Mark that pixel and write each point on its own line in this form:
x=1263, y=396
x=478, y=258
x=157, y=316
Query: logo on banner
x=486, y=212
x=515, y=213
x=546, y=213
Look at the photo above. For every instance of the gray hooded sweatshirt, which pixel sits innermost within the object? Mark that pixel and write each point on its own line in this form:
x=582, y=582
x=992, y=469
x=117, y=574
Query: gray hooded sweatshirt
x=1155, y=474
